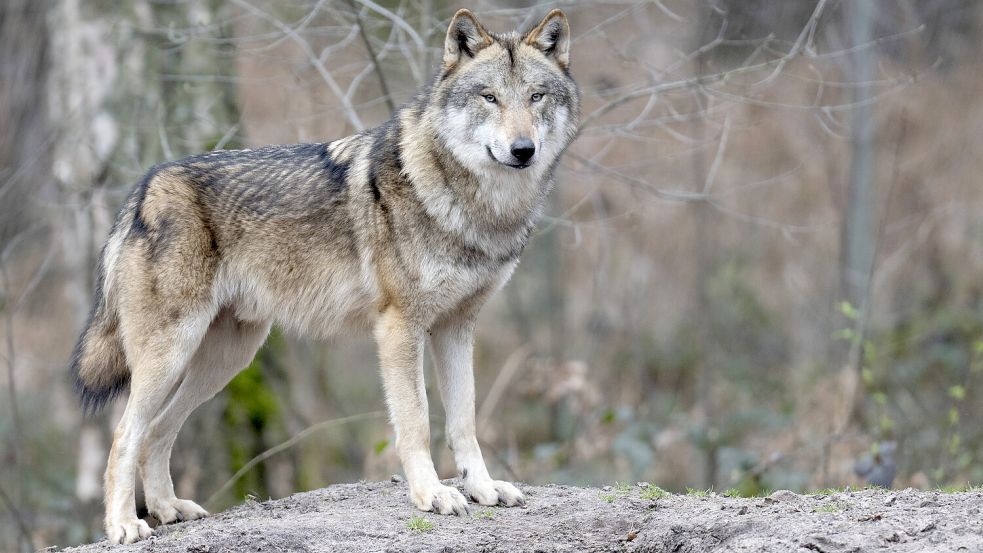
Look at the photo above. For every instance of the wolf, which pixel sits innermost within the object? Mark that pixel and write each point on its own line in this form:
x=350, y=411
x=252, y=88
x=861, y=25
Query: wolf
x=403, y=231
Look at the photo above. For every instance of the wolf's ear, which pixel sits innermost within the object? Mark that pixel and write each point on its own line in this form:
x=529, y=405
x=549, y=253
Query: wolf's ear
x=552, y=37
x=465, y=36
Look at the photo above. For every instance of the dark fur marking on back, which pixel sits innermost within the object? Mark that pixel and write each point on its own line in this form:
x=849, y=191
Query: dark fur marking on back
x=158, y=238
x=395, y=138
x=212, y=237
x=373, y=178
x=385, y=158
x=139, y=225
x=261, y=181
x=384, y=179
x=376, y=193
x=337, y=172
x=399, y=163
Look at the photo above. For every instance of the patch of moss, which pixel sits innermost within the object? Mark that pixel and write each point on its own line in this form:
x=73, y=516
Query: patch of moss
x=419, y=524
x=694, y=492
x=653, y=492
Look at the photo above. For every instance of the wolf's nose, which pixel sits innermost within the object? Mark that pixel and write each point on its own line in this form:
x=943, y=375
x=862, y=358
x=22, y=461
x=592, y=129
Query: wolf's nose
x=523, y=149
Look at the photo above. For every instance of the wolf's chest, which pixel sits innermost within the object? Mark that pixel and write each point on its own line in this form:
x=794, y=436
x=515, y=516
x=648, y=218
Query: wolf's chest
x=443, y=283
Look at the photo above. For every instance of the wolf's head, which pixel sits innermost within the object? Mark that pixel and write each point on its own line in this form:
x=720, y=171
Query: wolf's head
x=506, y=102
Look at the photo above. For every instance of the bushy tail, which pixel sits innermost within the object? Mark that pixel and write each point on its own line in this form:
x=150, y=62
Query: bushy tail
x=98, y=362
x=99, y=368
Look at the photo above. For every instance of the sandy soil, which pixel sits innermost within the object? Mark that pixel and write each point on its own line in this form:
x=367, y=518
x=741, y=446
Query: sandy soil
x=375, y=516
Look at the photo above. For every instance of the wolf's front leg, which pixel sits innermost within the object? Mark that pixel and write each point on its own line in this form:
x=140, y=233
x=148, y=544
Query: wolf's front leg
x=452, y=342
x=401, y=358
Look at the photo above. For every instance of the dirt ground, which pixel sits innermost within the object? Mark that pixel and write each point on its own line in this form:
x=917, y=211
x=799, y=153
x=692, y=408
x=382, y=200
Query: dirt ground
x=376, y=516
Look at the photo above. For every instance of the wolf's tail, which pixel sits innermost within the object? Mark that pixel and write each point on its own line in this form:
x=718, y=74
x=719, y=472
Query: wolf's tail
x=99, y=367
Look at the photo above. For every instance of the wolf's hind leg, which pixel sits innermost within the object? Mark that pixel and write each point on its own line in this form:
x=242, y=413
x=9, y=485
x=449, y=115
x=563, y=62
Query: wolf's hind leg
x=157, y=359
x=225, y=350
x=401, y=359
x=453, y=343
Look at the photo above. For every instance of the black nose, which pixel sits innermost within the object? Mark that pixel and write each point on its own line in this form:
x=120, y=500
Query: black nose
x=523, y=149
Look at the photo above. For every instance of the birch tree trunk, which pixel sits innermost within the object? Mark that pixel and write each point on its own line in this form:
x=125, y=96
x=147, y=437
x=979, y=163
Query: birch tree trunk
x=857, y=238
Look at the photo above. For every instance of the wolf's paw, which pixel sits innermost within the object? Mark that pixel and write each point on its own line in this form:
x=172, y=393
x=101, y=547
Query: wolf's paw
x=175, y=510
x=127, y=530
x=440, y=499
x=495, y=492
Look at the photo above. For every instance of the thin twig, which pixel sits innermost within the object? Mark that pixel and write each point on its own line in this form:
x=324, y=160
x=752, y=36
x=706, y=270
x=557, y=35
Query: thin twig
x=799, y=42
x=323, y=425
x=717, y=159
x=346, y=104
x=511, y=366
x=672, y=195
x=22, y=525
x=372, y=56
x=776, y=66
x=669, y=13
x=498, y=456
x=15, y=426
x=226, y=137
x=397, y=20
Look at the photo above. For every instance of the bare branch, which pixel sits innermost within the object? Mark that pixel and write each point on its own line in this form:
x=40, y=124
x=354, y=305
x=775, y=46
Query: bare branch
x=807, y=32
x=669, y=13
x=323, y=425
x=398, y=21
x=372, y=56
x=672, y=195
x=19, y=517
x=346, y=104
x=717, y=159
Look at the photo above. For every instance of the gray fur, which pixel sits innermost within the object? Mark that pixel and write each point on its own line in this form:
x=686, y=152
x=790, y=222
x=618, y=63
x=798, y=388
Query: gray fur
x=405, y=229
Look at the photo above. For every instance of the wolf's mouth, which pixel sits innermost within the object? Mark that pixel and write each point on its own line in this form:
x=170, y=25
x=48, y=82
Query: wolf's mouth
x=491, y=155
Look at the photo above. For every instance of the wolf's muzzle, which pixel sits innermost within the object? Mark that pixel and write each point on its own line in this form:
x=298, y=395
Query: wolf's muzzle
x=523, y=149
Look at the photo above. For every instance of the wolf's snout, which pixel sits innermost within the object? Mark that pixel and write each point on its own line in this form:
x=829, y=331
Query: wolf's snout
x=523, y=150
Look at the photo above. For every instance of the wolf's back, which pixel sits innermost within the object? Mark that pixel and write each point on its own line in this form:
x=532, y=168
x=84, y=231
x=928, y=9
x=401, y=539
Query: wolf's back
x=98, y=366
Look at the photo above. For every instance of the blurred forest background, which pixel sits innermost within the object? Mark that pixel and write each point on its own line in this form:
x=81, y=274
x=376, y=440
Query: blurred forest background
x=762, y=267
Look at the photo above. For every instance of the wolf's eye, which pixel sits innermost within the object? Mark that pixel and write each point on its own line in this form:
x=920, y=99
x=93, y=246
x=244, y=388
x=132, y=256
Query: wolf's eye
x=490, y=98
x=537, y=97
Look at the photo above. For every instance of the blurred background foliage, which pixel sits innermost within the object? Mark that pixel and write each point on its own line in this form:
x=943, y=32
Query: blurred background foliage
x=762, y=267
